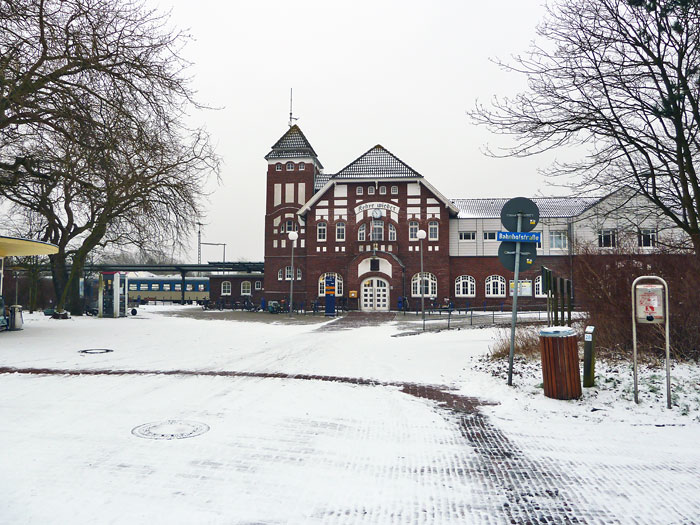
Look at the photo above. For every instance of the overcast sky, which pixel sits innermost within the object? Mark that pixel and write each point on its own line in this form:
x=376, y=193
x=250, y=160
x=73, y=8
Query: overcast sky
x=397, y=73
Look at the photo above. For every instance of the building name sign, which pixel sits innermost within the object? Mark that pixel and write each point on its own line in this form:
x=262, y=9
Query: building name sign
x=376, y=206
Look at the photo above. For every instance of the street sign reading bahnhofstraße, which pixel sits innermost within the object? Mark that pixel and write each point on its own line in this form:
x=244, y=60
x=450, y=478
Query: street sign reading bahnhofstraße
x=518, y=236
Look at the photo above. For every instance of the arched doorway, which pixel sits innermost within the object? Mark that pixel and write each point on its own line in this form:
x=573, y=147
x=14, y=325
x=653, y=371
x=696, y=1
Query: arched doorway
x=375, y=295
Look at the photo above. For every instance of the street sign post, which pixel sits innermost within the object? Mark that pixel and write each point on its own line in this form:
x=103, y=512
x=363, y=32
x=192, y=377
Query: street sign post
x=518, y=248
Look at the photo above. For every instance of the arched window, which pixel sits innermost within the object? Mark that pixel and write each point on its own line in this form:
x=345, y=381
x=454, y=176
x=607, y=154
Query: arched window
x=245, y=288
x=361, y=233
x=340, y=231
x=429, y=285
x=370, y=190
x=377, y=230
x=280, y=274
x=413, y=231
x=538, y=287
x=495, y=286
x=392, y=232
x=338, y=284
x=278, y=167
x=382, y=190
x=290, y=166
x=465, y=286
x=358, y=190
x=433, y=231
x=226, y=288
x=321, y=231
x=394, y=190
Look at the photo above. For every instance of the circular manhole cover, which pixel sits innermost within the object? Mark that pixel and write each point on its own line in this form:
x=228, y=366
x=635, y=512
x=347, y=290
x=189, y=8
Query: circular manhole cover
x=95, y=351
x=170, y=429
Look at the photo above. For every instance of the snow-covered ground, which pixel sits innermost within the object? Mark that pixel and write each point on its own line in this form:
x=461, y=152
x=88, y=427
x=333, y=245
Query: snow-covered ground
x=286, y=450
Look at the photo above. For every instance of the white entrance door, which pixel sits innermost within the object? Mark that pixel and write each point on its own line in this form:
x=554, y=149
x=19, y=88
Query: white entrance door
x=375, y=295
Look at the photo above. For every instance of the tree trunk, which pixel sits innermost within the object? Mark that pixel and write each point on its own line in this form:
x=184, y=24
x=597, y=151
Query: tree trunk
x=695, y=238
x=59, y=276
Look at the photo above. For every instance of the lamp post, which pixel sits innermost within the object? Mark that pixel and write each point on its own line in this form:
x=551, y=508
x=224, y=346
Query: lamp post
x=293, y=236
x=421, y=235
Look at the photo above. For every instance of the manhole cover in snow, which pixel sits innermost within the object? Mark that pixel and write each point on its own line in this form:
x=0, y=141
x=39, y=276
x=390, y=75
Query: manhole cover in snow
x=170, y=429
x=96, y=351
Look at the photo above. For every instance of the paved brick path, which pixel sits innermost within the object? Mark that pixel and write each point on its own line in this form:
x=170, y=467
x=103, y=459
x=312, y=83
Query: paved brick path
x=515, y=489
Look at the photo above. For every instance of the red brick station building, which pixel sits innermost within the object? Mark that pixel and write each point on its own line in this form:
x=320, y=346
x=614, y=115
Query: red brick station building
x=361, y=225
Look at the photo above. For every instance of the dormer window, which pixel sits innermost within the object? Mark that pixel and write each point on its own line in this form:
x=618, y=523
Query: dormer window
x=358, y=191
x=370, y=190
x=302, y=166
x=382, y=190
x=290, y=166
x=278, y=167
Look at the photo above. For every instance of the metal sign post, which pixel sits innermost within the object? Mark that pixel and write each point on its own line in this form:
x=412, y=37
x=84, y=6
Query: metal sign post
x=648, y=308
x=518, y=216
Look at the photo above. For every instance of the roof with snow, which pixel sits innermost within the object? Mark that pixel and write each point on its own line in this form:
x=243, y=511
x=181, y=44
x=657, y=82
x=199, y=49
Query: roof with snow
x=378, y=162
x=548, y=206
x=292, y=145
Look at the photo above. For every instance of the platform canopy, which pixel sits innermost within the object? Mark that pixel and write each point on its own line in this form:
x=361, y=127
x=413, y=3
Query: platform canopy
x=14, y=246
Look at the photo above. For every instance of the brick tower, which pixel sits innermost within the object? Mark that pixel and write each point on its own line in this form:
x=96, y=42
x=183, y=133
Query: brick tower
x=292, y=171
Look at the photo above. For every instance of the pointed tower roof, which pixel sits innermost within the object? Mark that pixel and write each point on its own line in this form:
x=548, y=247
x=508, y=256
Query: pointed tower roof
x=377, y=162
x=292, y=145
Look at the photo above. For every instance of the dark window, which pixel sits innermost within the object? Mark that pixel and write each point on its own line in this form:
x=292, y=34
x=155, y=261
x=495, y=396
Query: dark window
x=374, y=265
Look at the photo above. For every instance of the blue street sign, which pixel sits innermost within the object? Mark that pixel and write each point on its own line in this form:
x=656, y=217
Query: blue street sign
x=518, y=236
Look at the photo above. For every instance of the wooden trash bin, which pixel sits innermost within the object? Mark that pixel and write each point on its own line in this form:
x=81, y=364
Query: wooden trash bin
x=560, y=367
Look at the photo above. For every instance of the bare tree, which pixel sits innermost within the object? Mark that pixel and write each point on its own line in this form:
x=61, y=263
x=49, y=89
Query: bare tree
x=58, y=57
x=622, y=79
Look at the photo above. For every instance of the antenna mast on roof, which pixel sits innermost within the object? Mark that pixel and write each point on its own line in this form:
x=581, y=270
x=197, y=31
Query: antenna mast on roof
x=291, y=118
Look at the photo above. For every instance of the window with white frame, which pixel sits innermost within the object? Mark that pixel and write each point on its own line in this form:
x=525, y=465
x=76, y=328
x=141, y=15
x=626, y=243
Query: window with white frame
x=495, y=286
x=433, y=231
x=467, y=236
x=258, y=285
x=278, y=167
x=539, y=290
x=288, y=273
x=340, y=231
x=465, y=286
x=226, y=288
x=298, y=273
x=382, y=190
x=321, y=231
x=607, y=238
x=288, y=226
x=558, y=240
x=246, y=288
x=428, y=284
x=539, y=243
x=359, y=190
x=361, y=232
x=394, y=190
x=377, y=230
x=392, y=232
x=290, y=166
x=413, y=231
x=338, y=284
x=370, y=190
x=302, y=166
x=490, y=236
x=646, y=238
x=280, y=274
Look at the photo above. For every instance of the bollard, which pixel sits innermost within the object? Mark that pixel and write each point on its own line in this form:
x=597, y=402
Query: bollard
x=589, y=357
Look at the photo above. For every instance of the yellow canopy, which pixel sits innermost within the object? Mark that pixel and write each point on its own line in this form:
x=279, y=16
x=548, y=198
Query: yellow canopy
x=12, y=246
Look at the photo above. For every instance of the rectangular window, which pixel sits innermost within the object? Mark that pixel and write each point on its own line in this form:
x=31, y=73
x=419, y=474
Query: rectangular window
x=647, y=238
x=155, y=287
x=132, y=287
x=358, y=191
x=143, y=286
x=558, y=240
x=394, y=190
x=607, y=239
x=258, y=285
x=288, y=273
x=413, y=231
x=166, y=287
x=490, y=236
x=467, y=236
x=433, y=231
x=377, y=231
x=382, y=190
x=188, y=287
x=539, y=243
x=370, y=190
x=200, y=287
x=178, y=287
